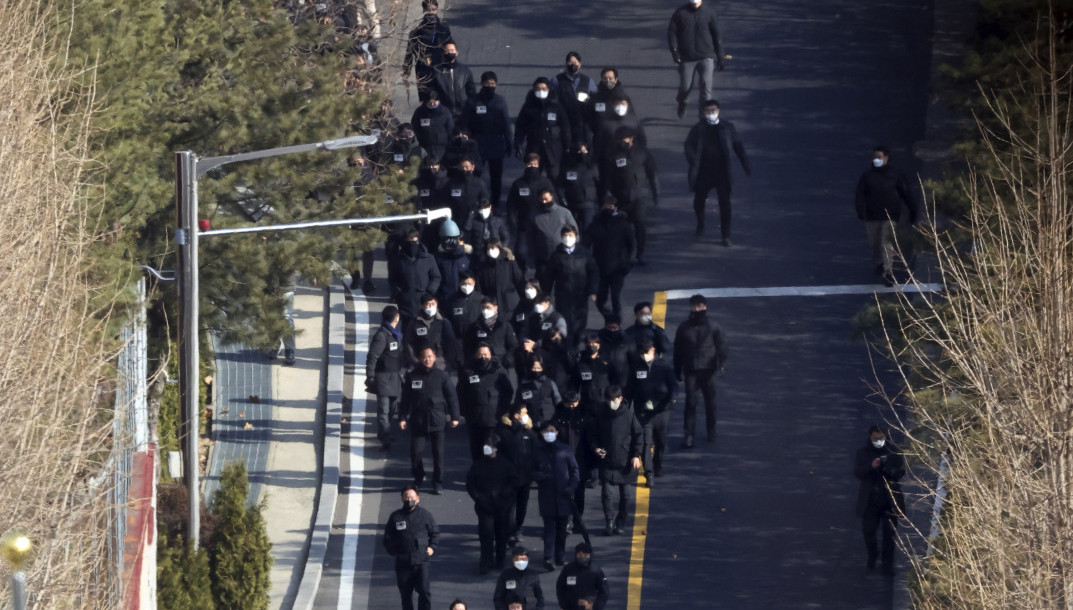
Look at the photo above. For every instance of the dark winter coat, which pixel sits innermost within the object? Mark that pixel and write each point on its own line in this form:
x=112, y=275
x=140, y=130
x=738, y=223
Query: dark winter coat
x=409, y=534
x=428, y=400
x=693, y=33
x=433, y=127
x=629, y=173
x=431, y=189
x=501, y=278
x=488, y=122
x=485, y=392
x=621, y=436
x=650, y=388
x=492, y=482
x=523, y=583
x=478, y=230
x=498, y=334
x=725, y=136
x=593, y=375
x=556, y=473
x=881, y=193
x=616, y=347
x=574, y=276
x=576, y=582
x=451, y=264
x=572, y=93
x=612, y=240
x=604, y=138
x=573, y=424
x=639, y=332
x=424, y=47
x=577, y=182
x=879, y=488
x=540, y=327
x=699, y=345
x=409, y=277
x=544, y=232
x=436, y=333
x=454, y=82
x=462, y=148
x=524, y=199
x=539, y=395
x=462, y=311
x=543, y=127
x=516, y=444
x=401, y=153
x=383, y=363
x=601, y=106
x=464, y=192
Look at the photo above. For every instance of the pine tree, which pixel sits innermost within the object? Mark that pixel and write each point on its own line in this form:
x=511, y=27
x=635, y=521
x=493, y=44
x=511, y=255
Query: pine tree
x=182, y=576
x=221, y=78
x=241, y=552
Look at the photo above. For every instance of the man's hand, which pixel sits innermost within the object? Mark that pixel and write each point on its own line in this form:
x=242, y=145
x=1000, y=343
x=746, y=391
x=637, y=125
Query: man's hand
x=635, y=463
x=454, y=423
x=402, y=424
x=528, y=345
x=675, y=56
x=876, y=463
x=592, y=297
x=720, y=63
x=430, y=550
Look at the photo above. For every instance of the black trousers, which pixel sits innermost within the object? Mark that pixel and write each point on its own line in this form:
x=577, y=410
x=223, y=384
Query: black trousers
x=611, y=285
x=411, y=579
x=495, y=180
x=555, y=537
x=417, y=449
x=521, y=507
x=637, y=213
x=700, y=385
x=616, y=501
x=873, y=518
x=655, y=429
x=700, y=197
x=493, y=529
x=387, y=410
x=577, y=317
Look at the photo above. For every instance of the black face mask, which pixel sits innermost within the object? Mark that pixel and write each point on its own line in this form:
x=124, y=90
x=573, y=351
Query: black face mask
x=487, y=92
x=573, y=68
x=450, y=57
x=484, y=361
x=531, y=172
x=583, y=562
x=409, y=504
x=412, y=247
x=608, y=213
x=696, y=315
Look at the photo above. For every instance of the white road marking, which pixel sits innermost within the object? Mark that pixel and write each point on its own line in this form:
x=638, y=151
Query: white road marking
x=803, y=291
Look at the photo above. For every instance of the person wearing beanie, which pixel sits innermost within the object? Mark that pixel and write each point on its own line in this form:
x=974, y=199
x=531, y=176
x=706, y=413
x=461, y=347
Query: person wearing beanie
x=581, y=580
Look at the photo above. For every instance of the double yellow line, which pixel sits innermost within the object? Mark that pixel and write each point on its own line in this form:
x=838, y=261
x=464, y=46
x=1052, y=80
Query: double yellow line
x=640, y=517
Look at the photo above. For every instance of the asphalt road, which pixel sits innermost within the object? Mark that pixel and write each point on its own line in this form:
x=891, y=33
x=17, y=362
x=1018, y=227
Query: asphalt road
x=763, y=518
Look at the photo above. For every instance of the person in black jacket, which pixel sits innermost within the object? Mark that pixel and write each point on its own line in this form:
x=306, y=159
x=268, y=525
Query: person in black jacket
x=424, y=47
x=453, y=81
x=515, y=431
x=482, y=225
x=462, y=147
x=882, y=191
x=573, y=424
x=412, y=272
x=879, y=466
x=594, y=374
x=524, y=197
x=556, y=473
x=493, y=330
x=628, y=172
x=577, y=183
x=492, y=482
x=644, y=328
x=464, y=190
x=544, y=322
x=411, y=536
x=485, y=391
x=616, y=347
x=401, y=150
x=487, y=119
x=620, y=114
x=601, y=104
x=574, y=281
x=581, y=580
x=537, y=391
x=464, y=307
x=433, y=125
x=499, y=276
x=650, y=388
x=708, y=147
x=430, y=329
x=700, y=351
x=383, y=364
x=572, y=88
x=518, y=582
x=693, y=37
x=616, y=441
x=542, y=127
x=611, y=239
x=431, y=185
x=428, y=403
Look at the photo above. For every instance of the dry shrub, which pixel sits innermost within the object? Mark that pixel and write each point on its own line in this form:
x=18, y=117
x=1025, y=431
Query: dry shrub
x=52, y=354
x=997, y=360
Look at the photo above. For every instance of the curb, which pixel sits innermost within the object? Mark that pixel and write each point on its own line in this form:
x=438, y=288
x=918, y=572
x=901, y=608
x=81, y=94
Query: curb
x=329, y=481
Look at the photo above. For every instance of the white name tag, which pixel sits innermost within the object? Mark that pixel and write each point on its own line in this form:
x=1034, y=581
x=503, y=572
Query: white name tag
x=650, y=406
x=523, y=191
x=582, y=96
x=511, y=585
x=399, y=158
x=423, y=192
x=417, y=384
x=527, y=395
x=571, y=175
x=394, y=345
x=620, y=162
x=642, y=374
x=586, y=376
x=552, y=116
x=422, y=331
x=571, y=580
x=458, y=311
x=426, y=122
x=519, y=318
x=456, y=192
x=400, y=525
x=482, y=109
x=474, y=379
x=545, y=326
x=601, y=107
x=481, y=334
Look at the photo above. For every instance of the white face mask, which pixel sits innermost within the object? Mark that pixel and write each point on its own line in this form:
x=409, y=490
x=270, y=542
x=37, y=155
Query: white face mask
x=540, y=307
x=877, y=162
x=645, y=319
x=569, y=241
x=485, y=212
x=493, y=253
x=879, y=443
x=621, y=110
x=530, y=293
x=712, y=118
x=466, y=288
x=487, y=450
x=541, y=94
x=524, y=420
x=430, y=311
x=549, y=437
x=615, y=404
x=648, y=357
x=521, y=564
x=488, y=313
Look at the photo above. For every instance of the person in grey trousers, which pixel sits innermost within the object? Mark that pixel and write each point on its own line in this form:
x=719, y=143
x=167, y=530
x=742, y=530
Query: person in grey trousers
x=693, y=38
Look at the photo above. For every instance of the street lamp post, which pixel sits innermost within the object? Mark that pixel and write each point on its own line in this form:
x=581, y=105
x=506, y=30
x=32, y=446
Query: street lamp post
x=189, y=168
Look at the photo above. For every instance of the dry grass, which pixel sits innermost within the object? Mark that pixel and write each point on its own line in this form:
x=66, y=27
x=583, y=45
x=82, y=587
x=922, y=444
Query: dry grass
x=52, y=356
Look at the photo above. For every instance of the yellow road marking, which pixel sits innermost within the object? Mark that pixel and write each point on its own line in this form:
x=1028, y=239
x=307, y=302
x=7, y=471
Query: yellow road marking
x=640, y=517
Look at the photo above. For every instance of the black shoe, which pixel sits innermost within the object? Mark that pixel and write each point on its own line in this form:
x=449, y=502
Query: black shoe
x=681, y=108
x=609, y=530
x=354, y=280
x=618, y=530
x=549, y=566
x=559, y=561
x=648, y=480
x=687, y=442
x=590, y=483
x=288, y=357
x=726, y=242
x=437, y=489
x=417, y=484
x=368, y=287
